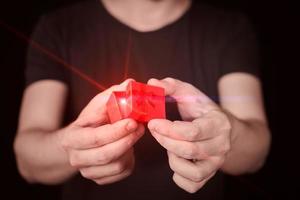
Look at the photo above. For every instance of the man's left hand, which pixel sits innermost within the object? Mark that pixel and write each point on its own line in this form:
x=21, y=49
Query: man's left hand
x=198, y=145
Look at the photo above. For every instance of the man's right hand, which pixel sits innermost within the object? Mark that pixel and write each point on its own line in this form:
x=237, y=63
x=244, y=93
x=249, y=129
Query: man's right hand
x=101, y=151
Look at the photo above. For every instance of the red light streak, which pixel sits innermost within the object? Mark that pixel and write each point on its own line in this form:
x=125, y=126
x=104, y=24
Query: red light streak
x=53, y=56
x=127, y=58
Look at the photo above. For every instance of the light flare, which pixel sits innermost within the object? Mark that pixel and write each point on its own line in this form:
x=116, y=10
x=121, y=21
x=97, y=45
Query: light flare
x=53, y=56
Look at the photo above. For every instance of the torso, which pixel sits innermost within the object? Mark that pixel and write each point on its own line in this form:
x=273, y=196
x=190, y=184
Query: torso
x=98, y=45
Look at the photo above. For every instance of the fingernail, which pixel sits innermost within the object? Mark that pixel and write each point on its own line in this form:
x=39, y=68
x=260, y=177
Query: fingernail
x=150, y=81
x=131, y=126
x=151, y=125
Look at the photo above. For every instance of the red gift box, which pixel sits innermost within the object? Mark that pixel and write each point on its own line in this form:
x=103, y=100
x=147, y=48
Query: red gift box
x=140, y=102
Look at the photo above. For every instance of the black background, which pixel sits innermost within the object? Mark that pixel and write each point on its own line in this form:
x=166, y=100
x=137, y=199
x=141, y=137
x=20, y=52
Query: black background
x=276, y=23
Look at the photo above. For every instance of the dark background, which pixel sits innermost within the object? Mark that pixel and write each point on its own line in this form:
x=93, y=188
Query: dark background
x=276, y=23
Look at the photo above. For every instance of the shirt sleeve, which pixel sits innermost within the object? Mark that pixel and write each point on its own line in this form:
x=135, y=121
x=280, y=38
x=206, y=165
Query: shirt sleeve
x=45, y=55
x=240, y=52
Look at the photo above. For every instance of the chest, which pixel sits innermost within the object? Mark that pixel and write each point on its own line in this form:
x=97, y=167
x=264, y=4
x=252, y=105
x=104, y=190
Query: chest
x=109, y=57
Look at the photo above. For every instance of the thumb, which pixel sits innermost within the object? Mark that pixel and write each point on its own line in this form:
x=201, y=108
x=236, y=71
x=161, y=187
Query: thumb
x=181, y=91
x=191, y=102
x=168, y=84
x=95, y=113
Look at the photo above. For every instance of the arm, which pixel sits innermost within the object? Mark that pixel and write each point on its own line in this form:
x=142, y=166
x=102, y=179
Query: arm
x=241, y=96
x=39, y=155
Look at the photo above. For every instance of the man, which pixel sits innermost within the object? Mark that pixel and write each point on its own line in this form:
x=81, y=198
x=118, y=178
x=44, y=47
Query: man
x=210, y=57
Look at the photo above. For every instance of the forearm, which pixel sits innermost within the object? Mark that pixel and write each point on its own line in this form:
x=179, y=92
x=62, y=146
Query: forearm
x=40, y=157
x=249, y=147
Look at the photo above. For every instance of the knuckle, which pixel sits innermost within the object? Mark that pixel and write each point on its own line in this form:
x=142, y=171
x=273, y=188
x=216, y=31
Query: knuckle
x=198, y=175
x=97, y=140
x=225, y=124
x=151, y=80
x=190, y=152
x=226, y=148
x=173, y=82
x=193, y=135
x=218, y=162
x=64, y=144
x=170, y=80
x=127, y=172
x=85, y=173
x=65, y=140
x=222, y=120
x=103, y=158
x=193, y=188
x=130, y=141
x=99, y=182
x=74, y=160
x=119, y=167
x=172, y=164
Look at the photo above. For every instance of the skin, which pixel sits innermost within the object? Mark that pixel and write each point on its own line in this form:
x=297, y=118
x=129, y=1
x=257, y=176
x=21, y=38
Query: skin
x=87, y=145
x=232, y=137
x=146, y=15
x=211, y=137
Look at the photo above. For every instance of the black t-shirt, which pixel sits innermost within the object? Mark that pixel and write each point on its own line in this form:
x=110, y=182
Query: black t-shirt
x=200, y=47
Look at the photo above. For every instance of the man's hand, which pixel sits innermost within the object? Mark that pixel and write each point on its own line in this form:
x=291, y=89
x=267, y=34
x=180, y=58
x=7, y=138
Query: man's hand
x=197, y=146
x=101, y=152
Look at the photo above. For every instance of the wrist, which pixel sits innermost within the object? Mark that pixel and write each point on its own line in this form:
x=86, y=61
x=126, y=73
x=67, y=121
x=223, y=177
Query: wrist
x=233, y=121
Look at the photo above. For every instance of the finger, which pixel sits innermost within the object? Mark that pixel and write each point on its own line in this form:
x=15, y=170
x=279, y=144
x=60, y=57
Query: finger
x=168, y=84
x=192, y=103
x=85, y=138
x=184, y=149
x=217, y=146
x=214, y=123
x=105, y=154
x=183, y=92
x=113, y=179
x=187, y=185
x=193, y=171
x=95, y=112
x=126, y=161
x=179, y=130
x=210, y=125
x=194, y=150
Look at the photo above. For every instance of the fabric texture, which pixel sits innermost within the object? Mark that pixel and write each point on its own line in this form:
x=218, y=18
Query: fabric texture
x=202, y=46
